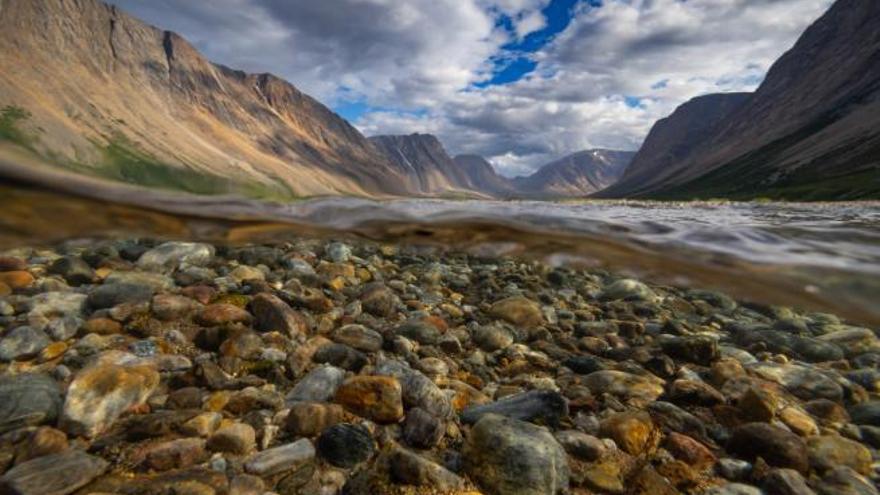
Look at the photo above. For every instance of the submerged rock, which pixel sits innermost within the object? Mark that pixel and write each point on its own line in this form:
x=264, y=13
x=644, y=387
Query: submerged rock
x=100, y=393
x=507, y=456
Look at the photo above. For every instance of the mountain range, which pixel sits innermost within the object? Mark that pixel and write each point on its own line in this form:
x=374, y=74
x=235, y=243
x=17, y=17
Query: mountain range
x=810, y=131
x=92, y=89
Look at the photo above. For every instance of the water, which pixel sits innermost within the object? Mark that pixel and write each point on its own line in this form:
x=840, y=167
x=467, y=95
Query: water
x=819, y=256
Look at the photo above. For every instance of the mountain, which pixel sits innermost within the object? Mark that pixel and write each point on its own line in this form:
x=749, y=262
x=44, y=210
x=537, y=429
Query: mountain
x=483, y=176
x=430, y=170
x=810, y=131
x=578, y=174
x=673, y=138
x=99, y=91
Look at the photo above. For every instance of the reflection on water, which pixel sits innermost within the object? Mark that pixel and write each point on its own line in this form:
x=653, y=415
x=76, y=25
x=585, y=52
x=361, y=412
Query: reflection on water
x=820, y=256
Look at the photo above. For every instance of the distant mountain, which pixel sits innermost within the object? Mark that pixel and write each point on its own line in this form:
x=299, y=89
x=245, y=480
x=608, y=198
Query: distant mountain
x=578, y=174
x=424, y=163
x=673, y=139
x=102, y=92
x=483, y=176
x=810, y=131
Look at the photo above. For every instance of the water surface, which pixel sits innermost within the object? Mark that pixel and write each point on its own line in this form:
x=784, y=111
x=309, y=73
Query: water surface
x=820, y=256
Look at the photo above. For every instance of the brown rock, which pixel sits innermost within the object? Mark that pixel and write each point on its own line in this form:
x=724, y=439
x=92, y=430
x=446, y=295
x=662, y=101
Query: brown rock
x=12, y=264
x=308, y=419
x=17, y=279
x=43, y=441
x=5, y=290
x=689, y=450
x=374, y=397
x=519, y=311
x=102, y=326
x=633, y=432
x=274, y=315
x=176, y=454
x=828, y=452
x=757, y=405
x=798, y=421
x=236, y=438
x=201, y=293
x=220, y=314
x=778, y=447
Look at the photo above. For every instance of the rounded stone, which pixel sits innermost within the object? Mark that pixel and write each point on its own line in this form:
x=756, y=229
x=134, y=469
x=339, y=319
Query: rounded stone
x=778, y=447
x=507, y=456
x=378, y=398
x=345, y=445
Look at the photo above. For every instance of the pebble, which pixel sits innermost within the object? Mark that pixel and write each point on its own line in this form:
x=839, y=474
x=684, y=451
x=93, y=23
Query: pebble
x=56, y=474
x=378, y=398
x=539, y=406
x=507, y=456
x=171, y=255
x=100, y=393
x=22, y=343
x=345, y=445
x=235, y=438
x=186, y=368
x=290, y=457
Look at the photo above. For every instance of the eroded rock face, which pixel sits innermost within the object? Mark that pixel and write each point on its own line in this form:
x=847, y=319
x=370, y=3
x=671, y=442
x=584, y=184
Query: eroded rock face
x=100, y=393
x=506, y=456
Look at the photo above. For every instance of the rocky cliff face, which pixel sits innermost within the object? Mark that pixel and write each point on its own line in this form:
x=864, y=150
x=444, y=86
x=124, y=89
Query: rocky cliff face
x=579, y=174
x=103, y=92
x=810, y=131
x=422, y=159
x=673, y=139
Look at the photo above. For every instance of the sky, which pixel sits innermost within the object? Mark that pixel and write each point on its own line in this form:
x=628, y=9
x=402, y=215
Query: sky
x=521, y=82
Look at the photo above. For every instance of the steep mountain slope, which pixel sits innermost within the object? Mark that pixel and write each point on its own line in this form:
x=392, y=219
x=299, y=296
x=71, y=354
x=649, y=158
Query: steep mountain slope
x=100, y=91
x=673, y=138
x=578, y=174
x=427, y=166
x=483, y=176
x=810, y=131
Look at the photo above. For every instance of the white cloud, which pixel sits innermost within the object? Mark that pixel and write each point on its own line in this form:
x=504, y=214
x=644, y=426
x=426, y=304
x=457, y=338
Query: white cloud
x=420, y=59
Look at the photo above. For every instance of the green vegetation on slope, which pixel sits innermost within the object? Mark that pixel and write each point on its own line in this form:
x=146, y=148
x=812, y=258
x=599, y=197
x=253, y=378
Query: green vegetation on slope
x=122, y=161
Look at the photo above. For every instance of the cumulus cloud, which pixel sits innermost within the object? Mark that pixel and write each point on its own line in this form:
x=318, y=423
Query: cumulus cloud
x=601, y=82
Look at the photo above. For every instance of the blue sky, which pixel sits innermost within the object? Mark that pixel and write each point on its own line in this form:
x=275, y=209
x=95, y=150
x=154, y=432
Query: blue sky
x=521, y=82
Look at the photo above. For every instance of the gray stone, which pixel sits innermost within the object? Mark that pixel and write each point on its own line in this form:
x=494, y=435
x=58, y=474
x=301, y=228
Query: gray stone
x=541, y=406
x=786, y=482
x=49, y=306
x=412, y=469
x=319, y=385
x=845, y=481
x=358, y=337
x=418, y=389
x=422, y=429
x=73, y=269
x=509, y=457
x=346, y=445
x=171, y=255
x=492, y=338
x=419, y=331
x=55, y=474
x=64, y=328
x=290, y=457
x=113, y=294
x=806, y=383
x=338, y=252
x=581, y=445
x=28, y=399
x=627, y=289
x=22, y=343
